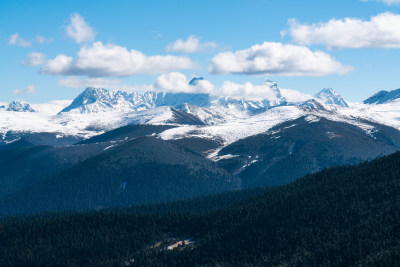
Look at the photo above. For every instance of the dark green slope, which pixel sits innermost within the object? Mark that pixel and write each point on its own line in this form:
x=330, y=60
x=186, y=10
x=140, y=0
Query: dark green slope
x=27, y=162
x=143, y=170
x=346, y=216
x=23, y=167
x=296, y=148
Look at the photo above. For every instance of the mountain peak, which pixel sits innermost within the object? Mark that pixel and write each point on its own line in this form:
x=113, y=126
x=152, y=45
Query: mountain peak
x=18, y=106
x=331, y=97
x=196, y=80
x=383, y=97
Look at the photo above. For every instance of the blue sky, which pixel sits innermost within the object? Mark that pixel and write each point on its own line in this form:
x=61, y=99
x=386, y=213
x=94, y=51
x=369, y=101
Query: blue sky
x=356, y=59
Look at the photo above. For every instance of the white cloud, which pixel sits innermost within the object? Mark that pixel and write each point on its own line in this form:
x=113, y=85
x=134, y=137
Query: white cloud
x=381, y=31
x=13, y=39
x=52, y=107
x=266, y=90
x=16, y=40
x=391, y=2
x=41, y=39
x=34, y=59
x=28, y=90
x=387, y=2
x=273, y=58
x=191, y=45
x=294, y=96
x=98, y=60
x=79, y=30
x=248, y=89
x=61, y=64
x=78, y=82
x=176, y=82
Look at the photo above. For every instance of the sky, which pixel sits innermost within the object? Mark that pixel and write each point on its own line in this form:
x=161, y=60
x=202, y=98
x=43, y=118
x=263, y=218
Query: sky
x=52, y=50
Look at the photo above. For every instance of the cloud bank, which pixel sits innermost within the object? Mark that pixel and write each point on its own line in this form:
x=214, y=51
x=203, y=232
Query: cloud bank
x=271, y=58
x=176, y=82
x=381, y=31
x=108, y=60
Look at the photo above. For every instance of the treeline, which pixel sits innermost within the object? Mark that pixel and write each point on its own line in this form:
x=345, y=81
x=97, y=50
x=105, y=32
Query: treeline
x=345, y=216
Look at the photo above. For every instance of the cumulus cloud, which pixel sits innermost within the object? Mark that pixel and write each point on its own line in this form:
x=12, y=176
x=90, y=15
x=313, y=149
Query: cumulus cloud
x=273, y=58
x=79, y=30
x=177, y=82
x=61, y=64
x=34, y=59
x=98, y=60
x=15, y=39
x=30, y=89
x=191, y=45
x=381, y=31
x=79, y=82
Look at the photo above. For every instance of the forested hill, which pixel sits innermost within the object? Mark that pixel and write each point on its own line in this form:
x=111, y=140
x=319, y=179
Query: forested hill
x=345, y=216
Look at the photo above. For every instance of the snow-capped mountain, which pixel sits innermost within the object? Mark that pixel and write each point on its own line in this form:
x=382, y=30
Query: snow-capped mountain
x=330, y=97
x=311, y=104
x=257, y=142
x=95, y=100
x=383, y=97
x=19, y=106
x=224, y=118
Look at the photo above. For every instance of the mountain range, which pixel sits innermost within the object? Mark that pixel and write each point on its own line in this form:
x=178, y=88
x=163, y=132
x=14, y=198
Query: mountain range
x=113, y=149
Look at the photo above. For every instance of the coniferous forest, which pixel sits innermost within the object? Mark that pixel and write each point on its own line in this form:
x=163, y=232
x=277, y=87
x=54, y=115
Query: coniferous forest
x=345, y=216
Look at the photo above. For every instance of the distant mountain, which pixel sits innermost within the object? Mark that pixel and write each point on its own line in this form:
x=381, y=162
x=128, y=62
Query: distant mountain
x=330, y=97
x=311, y=104
x=94, y=100
x=305, y=145
x=383, y=97
x=19, y=106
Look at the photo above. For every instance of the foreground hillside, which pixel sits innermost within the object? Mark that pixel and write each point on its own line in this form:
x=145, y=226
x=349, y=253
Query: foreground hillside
x=347, y=216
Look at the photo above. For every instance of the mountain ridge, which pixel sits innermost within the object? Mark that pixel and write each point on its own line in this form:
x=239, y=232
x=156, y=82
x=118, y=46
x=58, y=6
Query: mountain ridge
x=383, y=97
x=18, y=106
